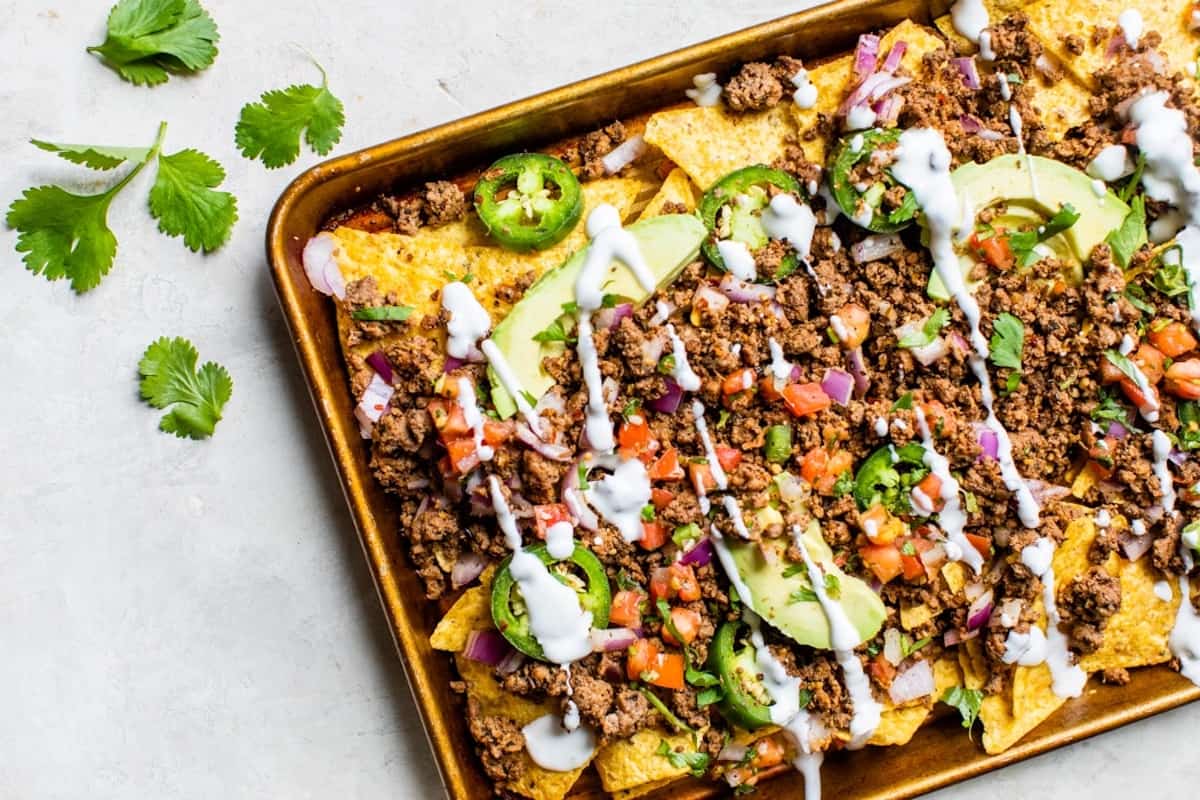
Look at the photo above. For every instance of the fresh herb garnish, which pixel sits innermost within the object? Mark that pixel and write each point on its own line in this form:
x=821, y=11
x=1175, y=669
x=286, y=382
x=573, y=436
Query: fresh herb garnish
x=1131, y=185
x=1126, y=365
x=833, y=585
x=1170, y=277
x=1136, y=296
x=908, y=548
x=383, y=314
x=624, y=582
x=1188, y=412
x=1024, y=243
x=844, y=484
x=928, y=332
x=270, y=129
x=666, y=364
x=793, y=570
x=709, y=695
x=465, y=278
x=1127, y=239
x=648, y=513
x=661, y=707
x=1007, y=346
x=695, y=763
x=905, y=403
x=908, y=646
x=631, y=408
x=905, y=211
x=804, y=594
x=185, y=200
x=147, y=39
x=968, y=703
x=554, y=332
x=722, y=418
x=170, y=378
x=1109, y=409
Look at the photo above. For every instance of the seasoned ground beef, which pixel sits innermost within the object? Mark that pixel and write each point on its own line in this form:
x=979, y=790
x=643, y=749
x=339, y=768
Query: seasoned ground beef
x=501, y=744
x=595, y=146
x=1086, y=604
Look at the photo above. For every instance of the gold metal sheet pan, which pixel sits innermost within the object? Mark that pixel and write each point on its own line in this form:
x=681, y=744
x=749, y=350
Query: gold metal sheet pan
x=940, y=754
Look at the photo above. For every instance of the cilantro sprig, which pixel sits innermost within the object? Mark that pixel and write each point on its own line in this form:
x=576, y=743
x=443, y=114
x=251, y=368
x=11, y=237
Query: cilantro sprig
x=149, y=39
x=1007, y=346
x=66, y=235
x=967, y=701
x=270, y=129
x=1130, y=237
x=1024, y=243
x=196, y=397
x=695, y=763
x=928, y=331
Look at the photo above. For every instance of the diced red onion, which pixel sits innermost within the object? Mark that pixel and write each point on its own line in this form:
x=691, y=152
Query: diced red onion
x=607, y=640
x=572, y=496
x=989, y=444
x=624, y=154
x=1134, y=547
x=378, y=362
x=839, y=385
x=955, y=636
x=980, y=610
x=1043, y=491
x=973, y=591
x=373, y=404
x=858, y=368
x=467, y=568
x=891, y=647
x=668, y=403
x=421, y=506
x=321, y=267
x=891, y=63
x=550, y=401
x=873, y=88
x=1154, y=513
x=453, y=363
x=511, y=662
x=1121, y=109
x=875, y=247
x=970, y=74
x=866, y=55
x=959, y=342
x=925, y=354
x=887, y=110
x=791, y=490
x=1115, y=44
x=609, y=389
x=990, y=135
x=475, y=355
x=609, y=318
x=652, y=349
x=913, y=683
x=487, y=647
x=550, y=450
x=732, y=752
x=1178, y=457
x=970, y=123
x=700, y=554
x=1116, y=431
x=739, y=291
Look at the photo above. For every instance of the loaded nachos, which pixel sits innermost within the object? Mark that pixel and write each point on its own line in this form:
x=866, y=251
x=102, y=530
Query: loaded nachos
x=769, y=424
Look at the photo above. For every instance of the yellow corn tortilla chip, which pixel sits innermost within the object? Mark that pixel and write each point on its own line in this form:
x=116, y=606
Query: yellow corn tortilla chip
x=677, y=188
x=471, y=612
x=1061, y=105
x=1050, y=20
x=709, y=143
x=631, y=763
x=972, y=663
x=915, y=616
x=832, y=79
x=644, y=789
x=898, y=725
x=956, y=577
x=958, y=42
x=946, y=674
x=536, y=782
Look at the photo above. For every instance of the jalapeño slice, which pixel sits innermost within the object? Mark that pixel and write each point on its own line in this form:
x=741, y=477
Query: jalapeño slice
x=746, y=702
x=888, y=475
x=528, y=201
x=852, y=149
x=732, y=209
x=582, y=571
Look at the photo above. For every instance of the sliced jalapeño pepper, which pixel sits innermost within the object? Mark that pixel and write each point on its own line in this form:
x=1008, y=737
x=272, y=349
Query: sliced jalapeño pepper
x=529, y=201
x=746, y=702
x=864, y=204
x=733, y=207
x=887, y=476
x=582, y=571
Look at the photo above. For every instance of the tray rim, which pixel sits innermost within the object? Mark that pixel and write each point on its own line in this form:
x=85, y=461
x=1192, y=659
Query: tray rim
x=341, y=435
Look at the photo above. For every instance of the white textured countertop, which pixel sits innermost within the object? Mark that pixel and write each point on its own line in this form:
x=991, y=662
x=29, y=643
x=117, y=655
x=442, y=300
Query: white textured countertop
x=194, y=620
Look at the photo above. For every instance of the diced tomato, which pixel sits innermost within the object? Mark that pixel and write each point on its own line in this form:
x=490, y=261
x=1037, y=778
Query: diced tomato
x=626, y=608
x=1150, y=361
x=911, y=565
x=814, y=464
x=660, y=588
x=1183, y=379
x=980, y=543
x=496, y=433
x=668, y=671
x=879, y=525
x=641, y=658
x=702, y=477
x=454, y=423
x=687, y=622
x=931, y=487
x=855, y=323
x=463, y=456
x=805, y=399
x=667, y=467
x=661, y=498
x=738, y=382
x=682, y=583
x=766, y=388
x=1173, y=339
x=635, y=438
x=545, y=516
x=882, y=559
x=882, y=671
x=940, y=423
x=1135, y=395
x=654, y=535
x=994, y=250
x=839, y=462
x=767, y=753
x=728, y=458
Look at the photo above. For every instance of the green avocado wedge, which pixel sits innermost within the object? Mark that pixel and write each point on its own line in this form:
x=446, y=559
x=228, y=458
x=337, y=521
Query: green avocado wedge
x=776, y=586
x=668, y=243
x=1033, y=189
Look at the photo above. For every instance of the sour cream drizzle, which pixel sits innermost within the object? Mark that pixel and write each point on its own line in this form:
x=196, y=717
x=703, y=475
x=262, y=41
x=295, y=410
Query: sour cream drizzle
x=512, y=384
x=1067, y=678
x=952, y=519
x=1185, y=636
x=682, y=372
x=554, y=746
x=738, y=259
x=710, y=453
x=923, y=165
x=790, y=221
x=620, y=496
x=781, y=368
x=469, y=322
x=969, y=17
x=465, y=398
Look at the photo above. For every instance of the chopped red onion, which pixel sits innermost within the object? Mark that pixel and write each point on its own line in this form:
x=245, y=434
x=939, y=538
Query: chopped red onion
x=551, y=401
x=607, y=640
x=609, y=318
x=1154, y=513
x=913, y=683
x=1177, y=457
x=955, y=636
x=511, y=662
x=1043, y=491
x=572, y=496
x=373, y=404
x=700, y=554
x=487, y=647
x=709, y=299
x=973, y=591
x=467, y=568
x=989, y=444
x=990, y=135
x=668, y=403
x=866, y=55
x=934, y=556
x=875, y=247
x=421, y=506
x=839, y=385
x=873, y=88
x=739, y=291
x=980, y=610
x=970, y=74
x=887, y=110
x=378, y=362
x=453, y=363
x=321, y=266
x=858, y=368
x=652, y=349
x=1116, y=431
x=1134, y=547
x=970, y=123
x=1115, y=44
x=550, y=450
x=624, y=154
x=891, y=63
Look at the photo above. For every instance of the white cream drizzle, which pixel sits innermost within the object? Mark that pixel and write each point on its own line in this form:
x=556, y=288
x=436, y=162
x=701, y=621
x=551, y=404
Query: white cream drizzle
x=512, y=384
x=1131, y=25
x=969, y=17
x=682, y=372
x=469, y=322
x=465, y=398
x=707, y=92
x=553, y=746
x=735, y=515
x=1110, y=164
x=1067, y=678
x=1026, y=649
x=1185, y=635
x=1162, y=590
x=620, y=496
x=790, y=221
x=781, y=368
x=560, y=540
x=710, y=452
x=805, y=95
x=738, y=259
x=952, y=518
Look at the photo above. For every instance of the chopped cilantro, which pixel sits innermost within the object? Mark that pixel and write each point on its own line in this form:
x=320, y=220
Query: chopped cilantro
x=1170, y=277
x=1136, y=296
x=631, y=408
x=661, y=707
x=270, y=129
x=1008, y=341
x=1024, y=243
x=905, y=211
x=1110, y=409
x=968, y=703
x=1127, y=239
x=833, y=585
x=648, y=513
x=803, y=595
x=908, y=646
x=666, y=365
x=905, y=403
x=805, y=698
x=582, y=472
x=1188, y=412
x=709, y=695
x=793, y=570
x=1127, y=367
x=844, y=484
x=170, y=378
x=700, y=678
x=570, y=307
x=624, y=582
x=908, y=548
x=1131, y=185
x=383, y=314
x=609, y=301
x=722, y=419
x=928, y=332
x=554, y=332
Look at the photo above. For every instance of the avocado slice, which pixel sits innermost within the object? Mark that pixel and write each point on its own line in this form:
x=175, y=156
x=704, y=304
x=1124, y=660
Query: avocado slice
x=1008, y=179
x=668, y=243
x=803, y=621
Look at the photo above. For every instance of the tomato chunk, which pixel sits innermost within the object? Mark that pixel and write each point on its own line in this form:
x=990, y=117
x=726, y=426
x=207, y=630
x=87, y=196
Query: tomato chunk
x=737, y=382
x=728, y=458
x=547, y=515
x=667, y=467
x=805, y=399
x=687, y=622
x=626, y=609
x=881, y=559
x=654, y=535
x=1172, y=339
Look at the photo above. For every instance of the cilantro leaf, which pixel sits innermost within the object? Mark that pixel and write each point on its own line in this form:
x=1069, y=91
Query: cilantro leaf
x=1131, y=185
x=908, y=646
x=1008, y=341
x=185, y=202
x=700, y=678
x=709, y=695
x=1126, y=240
x=1188, y=412
x=1024, y=243
x=905, y=403
x=803, y=595
x=383, y=314
x=696, y=763
x=1127, y=367
x=1109, y=409
x=554, y=332
x=1136, y=296
x=661, y=707
x=1170, y=278
x=833, y=585
x=968, y=703
x=270, y=129
x=148, y=39
x=928, y=332
x=170, y=378
x=96, y=156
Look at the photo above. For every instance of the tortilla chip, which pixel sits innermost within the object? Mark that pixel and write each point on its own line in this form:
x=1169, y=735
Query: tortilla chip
x=414, y=267
x=709, y=143
x=915, y=616
x=832, y=80
x=677, y=188
x=945, y=674
x=958, y=42
x=1049, y=20
x=536, y=782
x=973, y=664
x=898, y=725
x=644, y=789
x=630, y=763
x=1061, y=105
x=955, y=575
